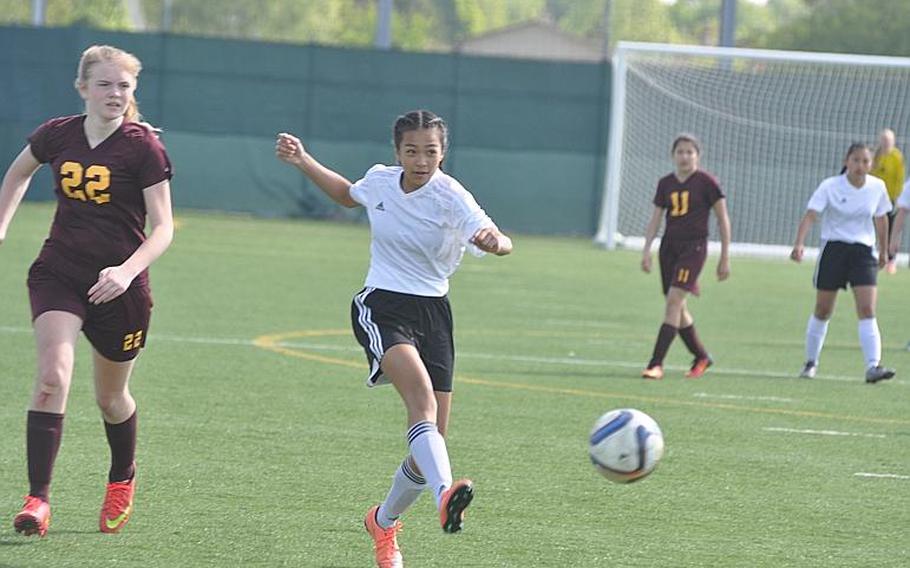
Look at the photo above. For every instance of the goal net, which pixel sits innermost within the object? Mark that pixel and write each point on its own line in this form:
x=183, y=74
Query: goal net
x=772, y=125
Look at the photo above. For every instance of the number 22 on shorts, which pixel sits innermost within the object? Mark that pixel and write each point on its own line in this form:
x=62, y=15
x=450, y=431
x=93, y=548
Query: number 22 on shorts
x=132, y=341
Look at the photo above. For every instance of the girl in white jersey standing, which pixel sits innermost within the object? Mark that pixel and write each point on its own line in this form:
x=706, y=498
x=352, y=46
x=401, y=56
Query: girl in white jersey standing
x=854, y=208
x=421, y=221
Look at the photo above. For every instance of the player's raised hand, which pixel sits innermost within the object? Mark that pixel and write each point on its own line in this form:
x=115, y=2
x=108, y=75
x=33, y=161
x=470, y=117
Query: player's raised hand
x=796, y=255
x=289, y=148
x=646, y=262
x=112, y=282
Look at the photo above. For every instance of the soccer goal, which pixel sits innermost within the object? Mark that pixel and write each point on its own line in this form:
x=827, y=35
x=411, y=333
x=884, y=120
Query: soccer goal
x=772, y=124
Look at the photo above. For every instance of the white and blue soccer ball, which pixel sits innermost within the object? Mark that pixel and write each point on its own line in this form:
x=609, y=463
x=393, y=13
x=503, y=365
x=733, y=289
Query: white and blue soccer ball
x=625, y=445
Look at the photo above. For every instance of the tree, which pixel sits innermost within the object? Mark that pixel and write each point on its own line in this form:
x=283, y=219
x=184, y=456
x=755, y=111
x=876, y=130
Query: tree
x=631, y=20
x=332, y=22
x=481, y=16
x=15, y=12
x=104, y=14
x=861, y=26
x=848, y=26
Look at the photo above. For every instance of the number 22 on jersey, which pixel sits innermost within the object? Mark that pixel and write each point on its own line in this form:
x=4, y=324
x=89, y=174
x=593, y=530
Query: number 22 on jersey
x=679, y=200
x=96, y=178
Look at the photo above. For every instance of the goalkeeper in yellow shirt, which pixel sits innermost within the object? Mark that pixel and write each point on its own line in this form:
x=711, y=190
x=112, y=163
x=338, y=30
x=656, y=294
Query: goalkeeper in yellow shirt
x=888, y=164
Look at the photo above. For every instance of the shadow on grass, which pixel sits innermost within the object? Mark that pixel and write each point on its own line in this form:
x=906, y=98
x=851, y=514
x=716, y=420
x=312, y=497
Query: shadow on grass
x=14, y=541
x=19, y=540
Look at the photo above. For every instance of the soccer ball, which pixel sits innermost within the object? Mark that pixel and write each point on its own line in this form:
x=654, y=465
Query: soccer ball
x=625, y=445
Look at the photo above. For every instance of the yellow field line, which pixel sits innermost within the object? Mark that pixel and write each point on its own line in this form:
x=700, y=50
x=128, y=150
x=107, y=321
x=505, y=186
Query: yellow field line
x=272, y=343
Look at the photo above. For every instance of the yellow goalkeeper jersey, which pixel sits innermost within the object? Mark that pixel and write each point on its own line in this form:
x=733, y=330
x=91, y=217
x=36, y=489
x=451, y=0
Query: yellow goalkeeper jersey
x=890, y=168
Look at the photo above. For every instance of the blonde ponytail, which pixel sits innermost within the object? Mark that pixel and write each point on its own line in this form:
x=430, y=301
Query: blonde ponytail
x=132, y=111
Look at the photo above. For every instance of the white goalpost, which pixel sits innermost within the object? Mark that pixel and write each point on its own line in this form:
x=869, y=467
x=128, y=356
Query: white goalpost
x=772, y=124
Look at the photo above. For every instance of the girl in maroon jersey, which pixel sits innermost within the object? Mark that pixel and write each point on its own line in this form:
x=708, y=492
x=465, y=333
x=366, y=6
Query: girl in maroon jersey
x=110, y=172
x=686, y=199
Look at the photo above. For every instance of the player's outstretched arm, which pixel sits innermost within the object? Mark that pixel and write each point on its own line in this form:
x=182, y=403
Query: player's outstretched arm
x=804, y=225
x=723, y=227
x=493, y=241
x=14, y=185
x=650, y=233
x=894, y=243
x=289, y=148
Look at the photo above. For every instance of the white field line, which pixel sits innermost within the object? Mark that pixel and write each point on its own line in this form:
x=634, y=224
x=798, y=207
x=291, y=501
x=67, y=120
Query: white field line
x=582, y=323
x=823, y=432
x=881, y=475
x=742, y=397
x=574, y=361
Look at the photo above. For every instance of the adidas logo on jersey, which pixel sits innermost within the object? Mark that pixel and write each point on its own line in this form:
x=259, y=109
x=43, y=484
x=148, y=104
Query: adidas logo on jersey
x=380, y=206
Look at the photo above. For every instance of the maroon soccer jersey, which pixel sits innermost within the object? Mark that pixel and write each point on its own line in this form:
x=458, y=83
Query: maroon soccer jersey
x=688, y=204
x=100, y=218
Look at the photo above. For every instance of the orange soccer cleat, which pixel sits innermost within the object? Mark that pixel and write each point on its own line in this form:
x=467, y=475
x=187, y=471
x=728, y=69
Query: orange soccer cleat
x=385, y=541
x=118, y=505
x=655, y=373
x=34, y=518
x=699, y=366
x=454, y=501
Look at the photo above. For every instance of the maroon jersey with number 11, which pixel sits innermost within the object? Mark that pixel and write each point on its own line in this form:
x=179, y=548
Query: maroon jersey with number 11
x=100, y=218
x=688, y=204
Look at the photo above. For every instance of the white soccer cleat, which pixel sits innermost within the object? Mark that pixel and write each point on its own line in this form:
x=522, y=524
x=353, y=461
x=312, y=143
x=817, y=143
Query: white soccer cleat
x=809, y=370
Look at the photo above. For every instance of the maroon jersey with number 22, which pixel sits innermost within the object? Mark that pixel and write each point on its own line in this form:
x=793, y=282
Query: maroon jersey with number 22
x=100, y=218
x=688, y=204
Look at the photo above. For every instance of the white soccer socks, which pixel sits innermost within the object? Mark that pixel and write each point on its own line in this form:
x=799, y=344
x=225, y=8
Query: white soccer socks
x=407, y=485
x=428, y=448
x=815, y=338
x=871, y=341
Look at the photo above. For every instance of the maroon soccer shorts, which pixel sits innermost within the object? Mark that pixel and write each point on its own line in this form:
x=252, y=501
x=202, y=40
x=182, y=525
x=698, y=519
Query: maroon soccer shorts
x=116, y=329
x=681, y=263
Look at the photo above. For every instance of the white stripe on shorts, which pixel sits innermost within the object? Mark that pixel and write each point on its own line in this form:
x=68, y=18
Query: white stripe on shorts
x=364, y=318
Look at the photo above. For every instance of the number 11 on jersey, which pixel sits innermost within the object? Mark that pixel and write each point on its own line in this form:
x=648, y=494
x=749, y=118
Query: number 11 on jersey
x=680, y=202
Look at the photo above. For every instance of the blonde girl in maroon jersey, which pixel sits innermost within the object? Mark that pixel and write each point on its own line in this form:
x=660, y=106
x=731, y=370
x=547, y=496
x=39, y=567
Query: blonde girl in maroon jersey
x=110, y=173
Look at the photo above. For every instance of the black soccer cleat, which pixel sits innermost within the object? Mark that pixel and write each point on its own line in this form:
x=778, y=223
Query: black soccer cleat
x=454, y=501
x=878, y=373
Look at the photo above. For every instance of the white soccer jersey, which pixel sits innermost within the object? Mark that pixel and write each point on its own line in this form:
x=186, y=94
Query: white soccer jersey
x=904, y=200
x=418, y=238
x=847, y=211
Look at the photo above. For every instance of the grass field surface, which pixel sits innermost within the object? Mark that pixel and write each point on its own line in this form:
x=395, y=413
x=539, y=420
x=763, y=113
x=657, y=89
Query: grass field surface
x=260, y=446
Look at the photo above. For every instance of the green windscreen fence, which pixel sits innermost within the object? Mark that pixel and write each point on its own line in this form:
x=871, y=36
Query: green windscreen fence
x=527, y=137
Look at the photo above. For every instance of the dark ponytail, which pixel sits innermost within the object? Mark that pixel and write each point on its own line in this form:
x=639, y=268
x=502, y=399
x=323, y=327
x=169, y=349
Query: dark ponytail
x=686, y=137
x=417, y=120
x=855, y=147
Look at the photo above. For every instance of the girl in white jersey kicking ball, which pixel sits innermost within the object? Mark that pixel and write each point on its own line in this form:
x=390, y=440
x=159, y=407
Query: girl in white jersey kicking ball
x=421, y=221
x=854, y=208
